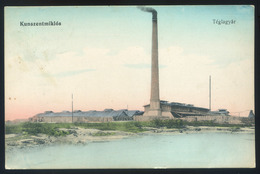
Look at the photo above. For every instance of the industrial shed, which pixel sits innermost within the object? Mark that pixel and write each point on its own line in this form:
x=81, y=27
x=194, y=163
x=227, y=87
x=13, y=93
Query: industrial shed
x=177, y=110
x=106, y=115
x=125, y=114
x=171, y=110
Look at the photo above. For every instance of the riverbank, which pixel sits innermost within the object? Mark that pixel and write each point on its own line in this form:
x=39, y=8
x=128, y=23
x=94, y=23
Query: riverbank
x=79, y=135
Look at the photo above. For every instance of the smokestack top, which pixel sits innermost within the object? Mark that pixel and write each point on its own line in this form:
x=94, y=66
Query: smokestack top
x=150, y=10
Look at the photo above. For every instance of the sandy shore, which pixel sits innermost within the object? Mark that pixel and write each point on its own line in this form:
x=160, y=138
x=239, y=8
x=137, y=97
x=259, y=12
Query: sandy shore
x=84, y=136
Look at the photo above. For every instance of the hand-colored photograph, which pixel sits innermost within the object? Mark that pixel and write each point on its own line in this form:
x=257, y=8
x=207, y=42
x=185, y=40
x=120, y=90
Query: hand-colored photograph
x=129, y=87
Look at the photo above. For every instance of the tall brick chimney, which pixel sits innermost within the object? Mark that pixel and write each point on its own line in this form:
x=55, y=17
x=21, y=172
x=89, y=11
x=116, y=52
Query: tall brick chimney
x=155, y=108
x=155, y=93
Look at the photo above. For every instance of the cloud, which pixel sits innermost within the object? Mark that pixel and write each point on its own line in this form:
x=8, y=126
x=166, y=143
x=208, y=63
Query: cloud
x=95, y=52
x=137, y=66
x=72, y=73
x=72, y=63
x=134, y=55
x=172, y=50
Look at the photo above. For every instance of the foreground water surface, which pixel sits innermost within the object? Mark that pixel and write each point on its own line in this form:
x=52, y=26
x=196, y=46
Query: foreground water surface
x=201, y=150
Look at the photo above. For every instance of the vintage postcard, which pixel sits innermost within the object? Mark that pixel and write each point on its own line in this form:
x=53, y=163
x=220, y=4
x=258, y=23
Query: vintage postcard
x=101, y=87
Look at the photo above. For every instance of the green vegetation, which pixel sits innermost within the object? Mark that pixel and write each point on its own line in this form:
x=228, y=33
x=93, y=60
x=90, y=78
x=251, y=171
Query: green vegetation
x=13, y=129
x=129, y=126
x=167, y=123
x=53, y=129
x=37, y=128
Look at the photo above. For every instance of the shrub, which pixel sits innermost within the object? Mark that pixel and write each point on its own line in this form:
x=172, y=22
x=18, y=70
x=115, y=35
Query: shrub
x=42, y=128
x=137, y=124
x=157, y=123
x=13, y=129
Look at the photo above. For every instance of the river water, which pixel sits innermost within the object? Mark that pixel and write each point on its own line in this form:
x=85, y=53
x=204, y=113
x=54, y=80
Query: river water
x=200, y=150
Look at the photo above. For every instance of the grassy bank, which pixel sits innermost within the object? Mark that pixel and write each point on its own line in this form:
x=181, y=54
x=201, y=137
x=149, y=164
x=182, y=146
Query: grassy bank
x=53, y=129
x=37, y=128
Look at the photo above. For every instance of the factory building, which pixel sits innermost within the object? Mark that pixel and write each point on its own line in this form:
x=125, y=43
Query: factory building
x=106, y=115
x=177, y=110
x=182, y=110
x=171, y=110
x=220, y=112
x=251, y=115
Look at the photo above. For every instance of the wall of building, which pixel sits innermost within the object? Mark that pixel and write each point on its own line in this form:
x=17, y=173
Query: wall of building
x=122, y=118
x=149, y=118
x=66, y=119
x=216, y=119
x=92, y=119
x=177, y=108
x=166, y=108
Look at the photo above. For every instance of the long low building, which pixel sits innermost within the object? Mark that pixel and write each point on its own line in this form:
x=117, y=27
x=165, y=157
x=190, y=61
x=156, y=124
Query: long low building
x=174, y=110
x=190, y=113
x=178, y=110
x=107, y=115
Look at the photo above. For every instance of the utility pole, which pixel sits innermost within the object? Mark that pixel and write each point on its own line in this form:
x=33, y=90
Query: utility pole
x=209, y=93
x=72, y=106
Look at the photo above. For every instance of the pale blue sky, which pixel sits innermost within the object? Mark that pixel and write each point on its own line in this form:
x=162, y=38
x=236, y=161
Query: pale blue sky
x=107, y=49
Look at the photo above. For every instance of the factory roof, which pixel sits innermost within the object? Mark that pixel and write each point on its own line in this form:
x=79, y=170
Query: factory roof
x=93, y=113
x=133, y=112
x=163, y=102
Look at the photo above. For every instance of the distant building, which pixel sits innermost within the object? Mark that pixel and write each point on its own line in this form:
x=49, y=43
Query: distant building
x=126, y=114
x=220, y=112
x=178, y=110
x=251, y=114
x=106, y=115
